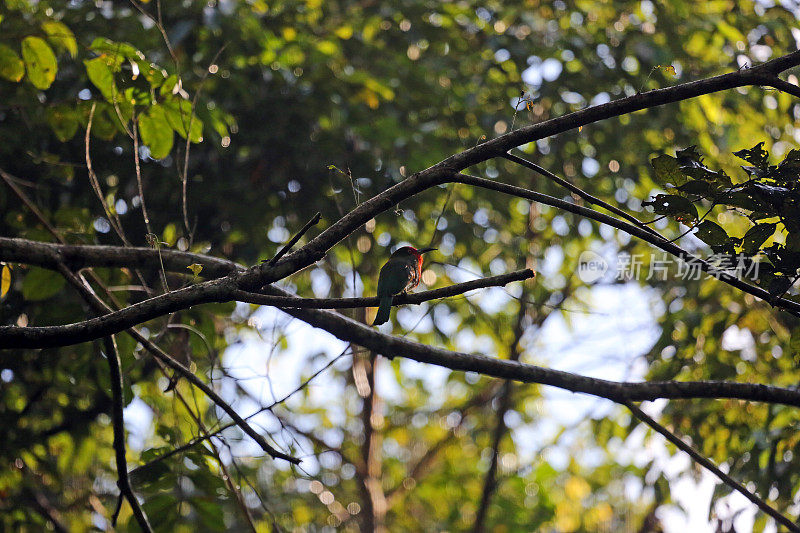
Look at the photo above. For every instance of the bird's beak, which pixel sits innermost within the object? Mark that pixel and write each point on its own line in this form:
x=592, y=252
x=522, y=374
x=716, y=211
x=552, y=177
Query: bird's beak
x=426, y=250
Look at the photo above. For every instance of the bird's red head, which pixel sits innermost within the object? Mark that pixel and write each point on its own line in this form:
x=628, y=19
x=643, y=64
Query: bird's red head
x=412, y=252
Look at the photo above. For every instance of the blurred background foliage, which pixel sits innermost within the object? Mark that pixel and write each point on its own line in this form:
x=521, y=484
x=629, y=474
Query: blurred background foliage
x=293, y=107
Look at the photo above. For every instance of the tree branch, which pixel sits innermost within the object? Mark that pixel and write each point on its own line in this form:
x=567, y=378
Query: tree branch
x=500, y=429
x=257, y=276
x=708, y=465
x=783, y=86
x=636, y=231
x=498, y=146
x=578, y=191
x=208, y=435
x=288, y=246
x=439, y=173
x=217, y=291
x=117, y=406
x=113, y=322
x=349, y=330
x=401, y=299
x=76, y=257
x=99, y=306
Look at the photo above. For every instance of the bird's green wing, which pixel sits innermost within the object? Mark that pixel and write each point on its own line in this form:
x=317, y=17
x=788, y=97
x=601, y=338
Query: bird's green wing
x=393, y=278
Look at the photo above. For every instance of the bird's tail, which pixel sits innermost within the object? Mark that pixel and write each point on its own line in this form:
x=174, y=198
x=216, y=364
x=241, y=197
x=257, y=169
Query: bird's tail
x=383, y=311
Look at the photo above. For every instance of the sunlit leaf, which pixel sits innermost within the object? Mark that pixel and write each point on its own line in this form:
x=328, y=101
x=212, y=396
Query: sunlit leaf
x=5, y=280
x=101, y=76
x=12, y=68
x=40, y=62
x=667, y=171
x=180, y=117
x=671, y=204
x=61, y=36
x=156, y=132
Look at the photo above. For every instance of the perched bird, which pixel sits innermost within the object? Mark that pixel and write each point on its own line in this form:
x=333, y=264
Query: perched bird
x=400, y=273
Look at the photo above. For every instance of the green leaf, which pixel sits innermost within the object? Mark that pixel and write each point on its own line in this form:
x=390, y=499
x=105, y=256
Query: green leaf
x=779, y=285
x=138, y=96
x=105, y=121
x=101, y=76
x=64, y=121
x=5, y=280
x=211, y=515
x=756, y=236
x=667, y=171
x=170, y=86
x=61, y=37
x=674, y=205
x=698, y=187
x=40, y=62
x=789, y=169
x=794, y=342
x=156, y=132
x=115, y=49
x=149, y=473
x=152, y=73
x=745, y=200
x=711, y=233
x=41, y=284
x=756, y=155
x=12, y=67
x=179, y=115
x=161, y=509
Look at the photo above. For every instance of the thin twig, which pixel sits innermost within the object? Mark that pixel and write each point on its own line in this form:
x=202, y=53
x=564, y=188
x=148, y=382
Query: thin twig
x=100, y=306
x=9, y=179
x=783, y=86
x=185, y=174
x=373, y=301
x=226, y=476
x=441, y=212
x=229, y=425
x=288, y=246
x=577, y=190
x=123, y=481
x=139, y=175
x=707, y=464
x=113, y=218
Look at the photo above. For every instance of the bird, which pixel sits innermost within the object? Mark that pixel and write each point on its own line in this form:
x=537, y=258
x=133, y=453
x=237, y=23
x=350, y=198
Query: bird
x=401, y=273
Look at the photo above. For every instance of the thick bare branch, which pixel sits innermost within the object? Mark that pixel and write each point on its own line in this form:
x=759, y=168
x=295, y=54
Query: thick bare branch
x=260, y=275
x=217, y=291
x=351, y=331
x=437, y=174
x=49, y=255
x=784, y=86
